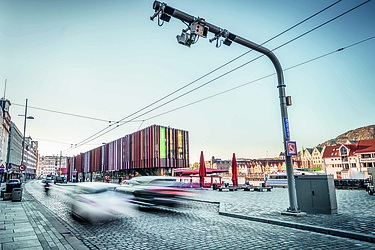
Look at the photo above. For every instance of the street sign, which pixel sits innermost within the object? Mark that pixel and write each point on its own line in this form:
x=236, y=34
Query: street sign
x=10, y=166
x=1, y=170
x=291, y=148
x=286, y=128
x=22, y=167
x=2, y=166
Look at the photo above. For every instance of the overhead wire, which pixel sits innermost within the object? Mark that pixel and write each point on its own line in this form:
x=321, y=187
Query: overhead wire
x=243, y=85
x=64, y=113
x=258, y=79
x=118, y=125
x=207, y=74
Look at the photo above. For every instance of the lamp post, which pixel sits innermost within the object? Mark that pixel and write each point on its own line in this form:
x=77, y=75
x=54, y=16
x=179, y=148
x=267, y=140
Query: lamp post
x=198, y=27
x=24, y=131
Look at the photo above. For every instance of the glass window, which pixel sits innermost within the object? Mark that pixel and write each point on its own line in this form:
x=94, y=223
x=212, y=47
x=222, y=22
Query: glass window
x=343, y=151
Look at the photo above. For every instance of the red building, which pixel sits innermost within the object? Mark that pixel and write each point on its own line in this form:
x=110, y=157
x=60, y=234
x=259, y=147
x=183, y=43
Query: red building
x=155, y=150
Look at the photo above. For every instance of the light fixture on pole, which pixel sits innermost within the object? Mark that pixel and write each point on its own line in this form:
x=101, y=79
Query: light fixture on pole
x=199, y=27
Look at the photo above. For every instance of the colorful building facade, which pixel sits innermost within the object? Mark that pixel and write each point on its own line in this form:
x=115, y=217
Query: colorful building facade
x=349, y=161
x=155, y=150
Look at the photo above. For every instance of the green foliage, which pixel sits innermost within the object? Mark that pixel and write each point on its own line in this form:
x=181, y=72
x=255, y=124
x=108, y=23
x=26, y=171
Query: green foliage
x=194, y=166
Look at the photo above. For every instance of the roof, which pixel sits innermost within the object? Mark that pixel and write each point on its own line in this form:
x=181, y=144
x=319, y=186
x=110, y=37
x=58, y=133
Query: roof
x=365, y=146
x=352, y=148
x=331, y=152
x=320, y=149
x=310, y=150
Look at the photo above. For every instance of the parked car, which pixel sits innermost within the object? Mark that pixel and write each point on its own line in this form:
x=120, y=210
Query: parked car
x=157, y=190
x=60, y=179
x=12, y=183
x=94, y=202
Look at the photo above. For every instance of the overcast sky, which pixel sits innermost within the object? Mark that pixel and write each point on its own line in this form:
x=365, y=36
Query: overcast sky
x=107, y=60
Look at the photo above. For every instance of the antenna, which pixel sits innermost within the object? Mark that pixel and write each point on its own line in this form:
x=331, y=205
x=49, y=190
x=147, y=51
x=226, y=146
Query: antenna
x=5, y=89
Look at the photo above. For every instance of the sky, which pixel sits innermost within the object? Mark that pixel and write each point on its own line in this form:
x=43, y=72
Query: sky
x=82, y=64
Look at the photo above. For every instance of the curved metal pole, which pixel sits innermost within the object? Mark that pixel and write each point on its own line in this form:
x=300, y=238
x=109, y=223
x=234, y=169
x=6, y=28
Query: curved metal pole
x=284, y=117
x=165, y=9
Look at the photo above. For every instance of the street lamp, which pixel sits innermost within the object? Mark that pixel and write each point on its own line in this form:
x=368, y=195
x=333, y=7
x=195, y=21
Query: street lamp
x=198, y=27
x=24, y=131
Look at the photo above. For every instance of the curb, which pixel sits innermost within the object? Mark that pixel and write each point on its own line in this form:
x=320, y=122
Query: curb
x=66, y=231
x=210, y=202
x=317, y=229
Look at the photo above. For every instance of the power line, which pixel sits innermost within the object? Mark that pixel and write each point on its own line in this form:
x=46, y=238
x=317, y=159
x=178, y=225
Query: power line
x=66, y=143
x=97, y=135
x=321, y=25
x=259, y=79
x=199, y=78
x=69, y=114
x=64, y=113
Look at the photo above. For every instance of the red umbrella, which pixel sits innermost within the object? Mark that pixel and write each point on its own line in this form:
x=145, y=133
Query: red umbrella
x=234, y=171
x=202, y=170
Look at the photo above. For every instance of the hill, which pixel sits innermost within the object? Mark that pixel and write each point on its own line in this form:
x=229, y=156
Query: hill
x=352, y=136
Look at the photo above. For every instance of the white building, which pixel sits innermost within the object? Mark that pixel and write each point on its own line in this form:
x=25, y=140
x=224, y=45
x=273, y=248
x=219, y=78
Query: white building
x=52, y=165
x=349, y=161
x=4, y=131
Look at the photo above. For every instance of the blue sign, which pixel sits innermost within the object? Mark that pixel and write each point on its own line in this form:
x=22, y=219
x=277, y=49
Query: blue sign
x=286, y=128
x=10, y=166
x=1, y=170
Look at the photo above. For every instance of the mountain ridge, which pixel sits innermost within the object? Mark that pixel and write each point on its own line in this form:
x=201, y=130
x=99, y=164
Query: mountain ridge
x=352, y=136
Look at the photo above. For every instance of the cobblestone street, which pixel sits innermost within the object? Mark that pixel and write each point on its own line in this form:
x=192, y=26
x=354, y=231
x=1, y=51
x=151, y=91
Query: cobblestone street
x=197, y=225
x=353, y=215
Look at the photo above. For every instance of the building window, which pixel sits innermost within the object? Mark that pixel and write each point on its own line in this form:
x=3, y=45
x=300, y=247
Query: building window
x=365, y=156
x=343, y=151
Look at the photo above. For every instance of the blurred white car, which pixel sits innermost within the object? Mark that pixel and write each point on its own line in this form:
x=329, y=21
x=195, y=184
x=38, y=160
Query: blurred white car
x=127, y=186
x=156, y=190
x=94, y=202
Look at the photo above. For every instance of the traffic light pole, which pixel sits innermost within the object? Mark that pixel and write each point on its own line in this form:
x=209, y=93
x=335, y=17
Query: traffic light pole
x=165, y=12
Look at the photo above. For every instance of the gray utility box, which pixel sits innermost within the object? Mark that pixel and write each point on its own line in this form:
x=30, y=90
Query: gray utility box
x=316, y=194
x=17, y=194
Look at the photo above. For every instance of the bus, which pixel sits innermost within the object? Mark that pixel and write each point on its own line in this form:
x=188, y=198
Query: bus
x=280, y=179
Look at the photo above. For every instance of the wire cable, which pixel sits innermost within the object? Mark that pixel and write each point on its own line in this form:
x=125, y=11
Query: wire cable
x=259, y=79
x=118, y=125
x=64, y=113
x=207, y=74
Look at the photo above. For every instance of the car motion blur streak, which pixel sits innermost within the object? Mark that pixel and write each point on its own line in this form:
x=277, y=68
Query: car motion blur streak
x=157, y=190
x=95, y=202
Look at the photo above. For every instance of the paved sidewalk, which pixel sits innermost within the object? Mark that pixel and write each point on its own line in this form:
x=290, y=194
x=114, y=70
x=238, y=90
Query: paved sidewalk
x=29, y=225
x=355, y=218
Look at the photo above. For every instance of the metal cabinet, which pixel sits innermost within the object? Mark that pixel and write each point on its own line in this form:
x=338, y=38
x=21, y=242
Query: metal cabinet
x=316, y=193
x=17, y=194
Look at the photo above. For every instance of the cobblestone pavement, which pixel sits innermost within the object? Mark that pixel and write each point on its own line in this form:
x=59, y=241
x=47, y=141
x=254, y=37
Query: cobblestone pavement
x=197, y=225
x=355, y=208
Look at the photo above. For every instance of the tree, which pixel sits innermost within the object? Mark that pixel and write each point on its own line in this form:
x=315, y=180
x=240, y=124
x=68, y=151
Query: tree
x=195, y=165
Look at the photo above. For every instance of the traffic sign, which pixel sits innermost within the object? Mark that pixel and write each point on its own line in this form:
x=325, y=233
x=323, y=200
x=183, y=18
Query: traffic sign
x=291, y=147
x=2, y=166
x=1, y=170
x=22, y=167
